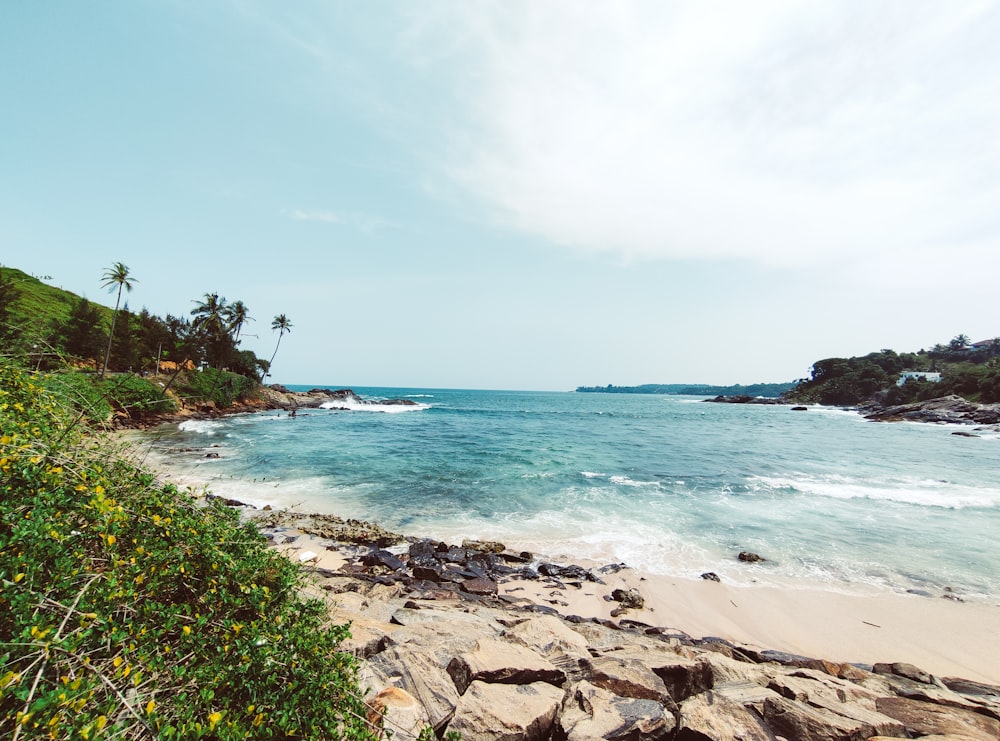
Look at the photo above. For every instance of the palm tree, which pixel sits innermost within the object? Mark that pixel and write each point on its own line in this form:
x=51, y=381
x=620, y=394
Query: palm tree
x=211, y=323
x=116, y=275
x=282, y=324
x=238, y=314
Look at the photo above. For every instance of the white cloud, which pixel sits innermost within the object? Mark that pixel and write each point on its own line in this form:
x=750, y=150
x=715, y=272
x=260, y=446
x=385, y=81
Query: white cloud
x=776, y=132
x=362, y=222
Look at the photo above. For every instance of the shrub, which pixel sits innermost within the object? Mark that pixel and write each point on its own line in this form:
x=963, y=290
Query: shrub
x=136, y=396
x=80, y=392
x=129, y=611
x=218, y=386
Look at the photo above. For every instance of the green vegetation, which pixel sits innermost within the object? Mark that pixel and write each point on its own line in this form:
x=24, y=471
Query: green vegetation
x=128, y=610
x=695, y=389
x=47, y=328
x=29, y=308
x=972, y=372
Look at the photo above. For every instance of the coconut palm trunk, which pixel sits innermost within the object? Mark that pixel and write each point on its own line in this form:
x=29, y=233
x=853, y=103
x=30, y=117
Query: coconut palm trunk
x=118, y=275
x=282, y=324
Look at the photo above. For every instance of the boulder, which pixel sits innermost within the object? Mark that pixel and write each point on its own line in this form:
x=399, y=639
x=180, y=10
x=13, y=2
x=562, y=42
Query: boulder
x=629, y=598
x=499, y=662
x=419, y=672
x=483, y=546
x=383, y=560
x=908, y=671
x=838, y=697
x=711, y=717
x=792, y=719
x=750, y=557
x=480, y=586
x=549, y=636
x=924, y=719
x=397, y=712
x=681, y=675
x=590, y=713
x=711, y=576
x=507, y=712
x=626, y=678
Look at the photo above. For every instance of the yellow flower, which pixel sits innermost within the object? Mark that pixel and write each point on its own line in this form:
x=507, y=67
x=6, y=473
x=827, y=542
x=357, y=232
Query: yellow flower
x=150, y=706
x=213, y=720
x=187, y=630
x=111, y=539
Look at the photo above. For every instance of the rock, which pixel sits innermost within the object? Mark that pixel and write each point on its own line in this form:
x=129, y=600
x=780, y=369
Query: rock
x=577, y=573
x=630, y=598
x=418, y=671
x=483, y=546
x=507, y=712
x=840, y=698
x=590, y=713
x=627, y=677
x=800, y=409
x=944, y=409
x=382, y=559
x=427, y=572
x=908, y=671
x=711, y=576
x=712, y=717
x=549, y=636
x=398, y=711
x=681, y=676
x=499, y=662
x=923, y=719
x=795, y=720
x=479, y=585
x=749, y=557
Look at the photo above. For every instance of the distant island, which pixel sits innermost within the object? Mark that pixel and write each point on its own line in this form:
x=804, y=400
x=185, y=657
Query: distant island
x=772, y=390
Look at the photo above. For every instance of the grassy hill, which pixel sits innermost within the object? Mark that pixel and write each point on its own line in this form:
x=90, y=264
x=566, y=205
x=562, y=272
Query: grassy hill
x=40, y=305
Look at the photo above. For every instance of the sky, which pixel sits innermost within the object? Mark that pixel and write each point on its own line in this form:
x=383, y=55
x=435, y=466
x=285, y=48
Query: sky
x=517, y=194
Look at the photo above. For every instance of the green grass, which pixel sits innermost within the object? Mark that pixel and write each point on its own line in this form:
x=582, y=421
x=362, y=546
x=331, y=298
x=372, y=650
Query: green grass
x=40, y=305
x=128, y=610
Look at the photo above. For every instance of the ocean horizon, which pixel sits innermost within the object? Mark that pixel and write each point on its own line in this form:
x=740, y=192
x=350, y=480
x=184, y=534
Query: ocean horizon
x=666, y=484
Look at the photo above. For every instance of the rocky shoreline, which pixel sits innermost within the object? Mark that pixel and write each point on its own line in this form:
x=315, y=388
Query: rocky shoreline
x=472, y=639
x=942, y=410
x=269, y=398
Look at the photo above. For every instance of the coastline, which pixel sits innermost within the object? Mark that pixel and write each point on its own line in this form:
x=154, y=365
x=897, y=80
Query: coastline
x=943, y=637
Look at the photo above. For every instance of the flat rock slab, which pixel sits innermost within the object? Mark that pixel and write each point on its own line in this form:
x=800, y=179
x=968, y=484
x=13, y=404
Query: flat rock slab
x=419, y=672
x=590, y=713
x=712, y=716
x=507, y=712
x=396, y=710
x=549, y=636
x=924, y=719
x=499, y=662
x=627, y=678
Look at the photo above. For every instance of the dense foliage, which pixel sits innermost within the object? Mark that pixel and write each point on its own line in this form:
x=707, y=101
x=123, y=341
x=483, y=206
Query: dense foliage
x=128, y=610
x=970, y=372
x=48, y=327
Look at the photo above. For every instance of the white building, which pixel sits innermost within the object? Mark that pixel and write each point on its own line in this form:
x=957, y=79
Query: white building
x=918, y=375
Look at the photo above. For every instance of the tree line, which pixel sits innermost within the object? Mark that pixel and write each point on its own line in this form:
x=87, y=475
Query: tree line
x=972, y=372
x=138, y=342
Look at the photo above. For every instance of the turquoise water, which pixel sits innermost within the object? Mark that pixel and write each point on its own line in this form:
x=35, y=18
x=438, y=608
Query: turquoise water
x=667, y=484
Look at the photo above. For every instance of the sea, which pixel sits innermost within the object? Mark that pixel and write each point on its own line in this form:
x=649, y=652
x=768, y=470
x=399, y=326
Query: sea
x=668, y=485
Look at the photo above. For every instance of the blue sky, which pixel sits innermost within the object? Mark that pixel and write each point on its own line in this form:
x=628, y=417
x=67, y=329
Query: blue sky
x=532, y=195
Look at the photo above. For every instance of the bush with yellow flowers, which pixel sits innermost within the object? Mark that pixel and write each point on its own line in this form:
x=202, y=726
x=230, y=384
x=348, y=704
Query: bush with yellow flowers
x=128, y=610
